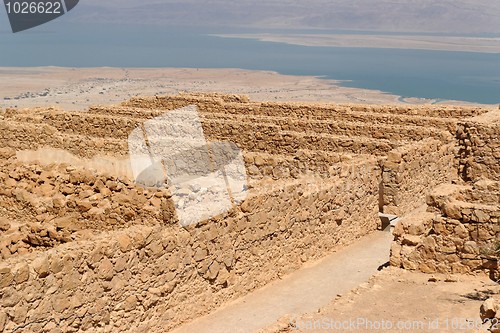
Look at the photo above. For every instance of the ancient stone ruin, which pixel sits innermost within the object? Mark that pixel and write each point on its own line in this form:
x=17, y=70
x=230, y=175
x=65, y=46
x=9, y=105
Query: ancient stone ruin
x=459, y=231
x=84, y=248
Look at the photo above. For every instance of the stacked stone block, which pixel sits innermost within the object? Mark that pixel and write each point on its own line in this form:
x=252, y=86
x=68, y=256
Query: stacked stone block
x=459, y=233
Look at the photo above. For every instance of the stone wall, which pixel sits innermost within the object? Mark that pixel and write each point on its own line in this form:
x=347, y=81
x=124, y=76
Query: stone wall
x=258, y=165
x=144, y=278
x=88, y=135
x=443, y=118
x=25, y=136
x=479, y=140
x=241, y=104
x=412, y=171
x=98, y=123
x=457, y=234
x=43, y=206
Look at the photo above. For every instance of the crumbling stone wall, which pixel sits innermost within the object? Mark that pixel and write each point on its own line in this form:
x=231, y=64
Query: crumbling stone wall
x=438, y=117
x=43, y=206
x=304, y=162
x=27, y=136
x=412, y=171
x=456, y=233
x=241, y=104
x=111, y=126
x=159, y=276
x=459, y=233
x=479, y=140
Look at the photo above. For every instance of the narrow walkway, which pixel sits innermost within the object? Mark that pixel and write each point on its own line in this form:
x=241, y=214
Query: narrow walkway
x=303, y=291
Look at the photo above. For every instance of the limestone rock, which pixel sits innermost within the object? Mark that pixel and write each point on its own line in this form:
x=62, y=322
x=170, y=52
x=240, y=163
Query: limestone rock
x=60, y=304
x=41, y=266
x=3, y=320
x=130, y=303
x=106, y=270
x=124, y=242
x=66, y=223
x=4, y=224
x=411, y=240
x=6, y=277
x=22, y=273
x=488, y=309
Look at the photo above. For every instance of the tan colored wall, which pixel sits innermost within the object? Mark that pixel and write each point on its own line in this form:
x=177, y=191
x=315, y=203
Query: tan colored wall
x=104, y=132
x=452, y=237
x=412, y=171
x=297, y=109
x=305, y=162
x=258, y=165
x=162, y=276
x=80, y=123
x=479, y=141
x=29, y=136
x=88, y=135
x=413, y=116
x=49, y=205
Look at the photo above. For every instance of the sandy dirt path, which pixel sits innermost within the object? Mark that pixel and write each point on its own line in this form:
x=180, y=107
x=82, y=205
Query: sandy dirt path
x=302, y=291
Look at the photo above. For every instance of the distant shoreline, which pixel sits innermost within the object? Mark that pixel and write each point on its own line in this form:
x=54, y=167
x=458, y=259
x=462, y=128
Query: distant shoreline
x=412, y=42
x=80, y=88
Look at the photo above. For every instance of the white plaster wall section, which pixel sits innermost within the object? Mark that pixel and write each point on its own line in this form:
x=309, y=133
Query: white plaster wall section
x=205, y=179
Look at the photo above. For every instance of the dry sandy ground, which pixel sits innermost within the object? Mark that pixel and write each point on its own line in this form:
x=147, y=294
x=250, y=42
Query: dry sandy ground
x=395, y=300
x=76, y=89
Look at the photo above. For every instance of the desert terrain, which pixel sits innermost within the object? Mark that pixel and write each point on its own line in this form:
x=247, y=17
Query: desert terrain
x=77, y=89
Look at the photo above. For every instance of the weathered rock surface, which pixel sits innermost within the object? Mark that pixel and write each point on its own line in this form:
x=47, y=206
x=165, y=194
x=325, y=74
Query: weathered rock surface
x=83, y=248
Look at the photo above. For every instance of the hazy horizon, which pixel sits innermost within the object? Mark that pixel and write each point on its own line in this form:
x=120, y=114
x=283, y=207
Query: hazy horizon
x=460, y=16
